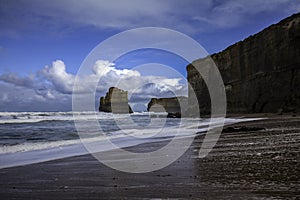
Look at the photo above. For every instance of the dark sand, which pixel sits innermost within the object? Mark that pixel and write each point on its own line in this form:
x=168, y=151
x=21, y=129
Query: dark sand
x=261, y=164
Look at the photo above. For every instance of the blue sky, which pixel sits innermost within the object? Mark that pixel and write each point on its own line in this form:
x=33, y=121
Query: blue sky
x=43, y=43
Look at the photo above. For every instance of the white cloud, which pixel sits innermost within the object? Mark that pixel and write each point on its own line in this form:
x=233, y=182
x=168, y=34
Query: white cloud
x=57, y=75
x=14, y=98
x=106, y=68
x=53, y=83
x=17, y=80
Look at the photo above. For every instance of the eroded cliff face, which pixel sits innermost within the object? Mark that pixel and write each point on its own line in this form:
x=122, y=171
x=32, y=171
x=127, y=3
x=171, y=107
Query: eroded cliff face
x=115, y=101
x=260, y=74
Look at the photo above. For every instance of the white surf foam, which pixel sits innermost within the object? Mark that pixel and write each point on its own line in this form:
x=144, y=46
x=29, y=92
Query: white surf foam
x=29, y=153
x=33, y=117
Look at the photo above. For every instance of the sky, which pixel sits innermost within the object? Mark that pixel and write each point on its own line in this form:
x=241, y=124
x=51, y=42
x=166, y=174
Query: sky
x=44, y=43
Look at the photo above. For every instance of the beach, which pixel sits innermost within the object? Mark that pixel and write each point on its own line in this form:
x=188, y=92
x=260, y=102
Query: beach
x=252, y=160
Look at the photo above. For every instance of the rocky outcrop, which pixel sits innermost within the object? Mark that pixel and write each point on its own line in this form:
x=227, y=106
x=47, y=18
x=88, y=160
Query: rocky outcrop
x=261, y=73
x=174, y=106
x=115, y=101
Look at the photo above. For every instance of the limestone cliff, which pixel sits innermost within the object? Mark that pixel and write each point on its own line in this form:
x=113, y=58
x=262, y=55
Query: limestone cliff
x=261, y=73
x=115, y=101
x=174, y=106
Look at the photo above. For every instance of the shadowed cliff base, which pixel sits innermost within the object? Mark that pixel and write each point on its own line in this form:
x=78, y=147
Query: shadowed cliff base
x=260, y=73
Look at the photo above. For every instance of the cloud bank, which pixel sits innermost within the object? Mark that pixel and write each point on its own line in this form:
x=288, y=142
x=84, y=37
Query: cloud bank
x=51, y=88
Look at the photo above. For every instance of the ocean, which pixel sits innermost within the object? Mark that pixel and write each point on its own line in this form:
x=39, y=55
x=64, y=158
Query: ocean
x=32, y=137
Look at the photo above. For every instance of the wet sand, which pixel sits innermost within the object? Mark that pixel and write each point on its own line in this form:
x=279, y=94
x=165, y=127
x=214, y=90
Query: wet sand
x=245, y=164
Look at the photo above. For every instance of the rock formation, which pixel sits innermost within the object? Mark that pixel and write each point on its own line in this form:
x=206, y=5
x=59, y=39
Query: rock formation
x=115, y=101
x=174, y=106
x=260, y=74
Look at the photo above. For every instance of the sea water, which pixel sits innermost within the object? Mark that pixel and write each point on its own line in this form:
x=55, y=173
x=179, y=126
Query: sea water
x=32, y=137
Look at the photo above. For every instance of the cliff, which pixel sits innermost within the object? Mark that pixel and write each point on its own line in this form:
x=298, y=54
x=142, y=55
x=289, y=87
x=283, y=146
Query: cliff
x=174, y=106
x=115, y=101
x=260, y=74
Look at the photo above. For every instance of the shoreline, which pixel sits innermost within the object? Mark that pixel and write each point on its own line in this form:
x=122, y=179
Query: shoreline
x=31, y=153
x=244, y=164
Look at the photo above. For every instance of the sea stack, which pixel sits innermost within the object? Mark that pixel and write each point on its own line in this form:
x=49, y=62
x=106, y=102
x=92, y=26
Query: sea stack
x=174, y=106
x=260, y=74
x=115, y=101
